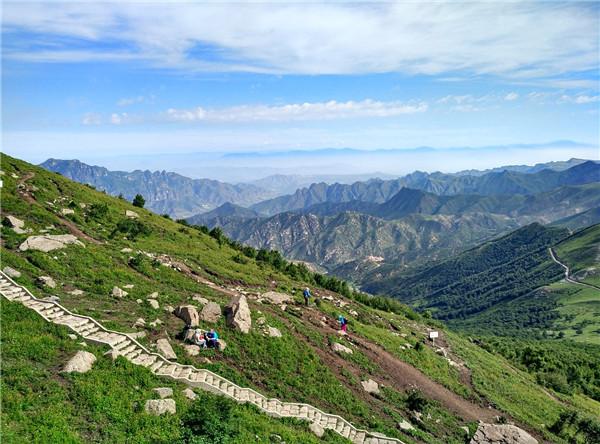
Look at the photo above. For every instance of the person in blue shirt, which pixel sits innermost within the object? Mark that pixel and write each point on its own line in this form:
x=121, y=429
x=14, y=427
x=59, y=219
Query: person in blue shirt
x=212, y=339
x=343, y=323
x=307, y=295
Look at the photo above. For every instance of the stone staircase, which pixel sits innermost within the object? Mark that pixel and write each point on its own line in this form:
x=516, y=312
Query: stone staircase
x=126, y=346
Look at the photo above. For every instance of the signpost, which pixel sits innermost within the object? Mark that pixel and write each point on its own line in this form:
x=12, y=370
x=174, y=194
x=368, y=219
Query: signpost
x=433, y=335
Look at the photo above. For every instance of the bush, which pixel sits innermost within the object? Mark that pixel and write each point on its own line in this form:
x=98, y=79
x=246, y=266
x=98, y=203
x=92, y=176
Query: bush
x=98, y=211
x=416, y=401
x=132, y=228
x=139, y=201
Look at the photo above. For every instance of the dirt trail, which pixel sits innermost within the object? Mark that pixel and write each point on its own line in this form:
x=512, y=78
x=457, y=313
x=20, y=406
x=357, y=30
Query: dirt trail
x=25, y=193
x=403, y=376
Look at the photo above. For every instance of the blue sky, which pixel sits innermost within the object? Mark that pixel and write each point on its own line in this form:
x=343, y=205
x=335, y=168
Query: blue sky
x=99, y=80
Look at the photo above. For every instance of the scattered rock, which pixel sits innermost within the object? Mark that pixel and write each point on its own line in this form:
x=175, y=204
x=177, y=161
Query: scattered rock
x=188, y=334
x=188, y=314
x=189, y=394
x=51, y=298
x=81, y=362
x=126, y=250
x=82, y=205
x=139, y=301
x=501, y=434
x=238, y=314
x=49, y=242
x=72, y=336
x=118, y=292
x=370, y=386
x=169, y=308
x=11, y=272
x=131, y=214
x=66, y=211
x=155, y=323
x=276, y=298
x=16, y=224
x=164, y=348
x=339, y=348
x=153, y=303
x=222, y=345
x=164, y=392
x=211, y=312
x=160, y=406
x=405, y=425
x=128, y=286
x=46, y=281
x=139, y=323
x=316, y=429
x=466, y=429
x=191, y=349
x=261, y=321
x=76, y=292
x=200, y=299
x=274, y=332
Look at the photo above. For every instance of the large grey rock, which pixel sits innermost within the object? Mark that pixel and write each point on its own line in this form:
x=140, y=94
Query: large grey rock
x=316, y=429
x=131, y=214
x=164, y=348
x=339, y=348
x=164, y=392
x=49, y=242
x=153, y=303
x=188, y=314
x=189, y=394
x=273, y=332
x=46, y=281
x=276, y=298
x=160, y=406
x=211, y=312
x=16, y=224
x=238, y=314
x=81, y=362
x=11, y=272
x=405, y=425
x=370, y=386
x=118, y=292
x=501, y=434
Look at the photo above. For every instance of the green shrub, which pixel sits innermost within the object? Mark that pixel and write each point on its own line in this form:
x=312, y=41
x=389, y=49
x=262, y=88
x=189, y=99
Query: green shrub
x=139, y=201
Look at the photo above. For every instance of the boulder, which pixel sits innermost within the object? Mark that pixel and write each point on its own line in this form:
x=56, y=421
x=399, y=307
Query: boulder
x=46, y=281
x=164, y=348
x=49, y=242
x=211, y=312
x=316, y=429
x=405, y=425
x=153, y=303
x=126, y=250
x=14, y=222
x=189, y=394
x=191, y=349
x=276, y=298
x=273, y=332
x=188, y=314
x=222, y=345
x=501, y=434
x=160, y=406
x=76, y=292
x=118, y=292
x=200, y=299
x=11, y=272
x=164, y=392
x=238, y=314
x=131, y=214
x=339, y=348
x=139, y=323
x=66, y=211
x=81, y=362
x=370, y=386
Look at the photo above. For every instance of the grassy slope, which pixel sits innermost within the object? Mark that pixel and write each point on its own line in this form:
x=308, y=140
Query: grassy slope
x=298, y=367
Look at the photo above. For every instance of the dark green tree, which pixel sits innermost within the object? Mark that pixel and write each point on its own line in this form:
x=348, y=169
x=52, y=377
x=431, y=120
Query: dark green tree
x=139, y=201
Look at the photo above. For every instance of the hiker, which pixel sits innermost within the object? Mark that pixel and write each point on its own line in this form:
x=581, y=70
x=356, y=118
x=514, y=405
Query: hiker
x=343, y=323
x=307, y=295
x=199, y=338
x=212, y=339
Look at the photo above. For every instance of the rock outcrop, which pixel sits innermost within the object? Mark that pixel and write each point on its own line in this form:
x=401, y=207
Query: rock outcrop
x=501, y=434
x=131, y=214
x=370, y=386
x=211, y=312
x=16, y=224
x=276, y=297
x=238, y=314
x=273, y=332
x=46, y=281
x=189, y=394
x=160, y=406
x=118, y=292
x=188, y=314
x=11, y=272
x=81, y=362
x=49, y=242
x=164, y=348
x=164, y=392
x=339, y=348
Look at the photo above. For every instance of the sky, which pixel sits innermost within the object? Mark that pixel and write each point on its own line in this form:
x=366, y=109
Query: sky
x=124, y=84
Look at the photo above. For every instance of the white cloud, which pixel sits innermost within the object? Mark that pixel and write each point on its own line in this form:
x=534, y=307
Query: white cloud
x=91, y=119
x=511, y=96
x=517, y=40
x=330, y=110
x=127, y=101
x=580, y=99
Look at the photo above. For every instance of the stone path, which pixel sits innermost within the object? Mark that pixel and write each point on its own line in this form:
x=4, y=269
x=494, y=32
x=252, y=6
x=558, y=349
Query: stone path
x=130, y=349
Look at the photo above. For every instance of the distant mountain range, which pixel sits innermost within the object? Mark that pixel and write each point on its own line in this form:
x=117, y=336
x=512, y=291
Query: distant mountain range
x=165, y=192
x=379, y=191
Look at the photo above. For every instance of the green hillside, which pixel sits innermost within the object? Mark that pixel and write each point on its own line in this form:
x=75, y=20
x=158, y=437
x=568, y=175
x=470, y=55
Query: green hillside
x=148, y=254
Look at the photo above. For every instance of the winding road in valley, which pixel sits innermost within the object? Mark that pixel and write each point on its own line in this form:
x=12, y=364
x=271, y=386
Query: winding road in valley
x=567, y=277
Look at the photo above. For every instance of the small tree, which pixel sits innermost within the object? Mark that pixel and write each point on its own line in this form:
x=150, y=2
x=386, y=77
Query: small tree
x=139, y=201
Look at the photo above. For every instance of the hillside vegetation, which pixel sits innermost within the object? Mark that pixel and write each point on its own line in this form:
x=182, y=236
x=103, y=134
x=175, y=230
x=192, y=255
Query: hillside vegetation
x=437, y=388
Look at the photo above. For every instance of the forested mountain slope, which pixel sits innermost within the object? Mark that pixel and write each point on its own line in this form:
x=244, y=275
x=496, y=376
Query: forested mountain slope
x=447, y=385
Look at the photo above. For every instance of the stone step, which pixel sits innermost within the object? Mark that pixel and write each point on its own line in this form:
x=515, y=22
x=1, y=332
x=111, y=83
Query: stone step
x=157, y=365
x=128, y=349
x=133, y=353
x=166, y=369
x=57, y=314
x=93, y=328
x=121, y=345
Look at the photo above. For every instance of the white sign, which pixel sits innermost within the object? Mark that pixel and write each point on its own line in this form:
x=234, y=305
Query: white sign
x=433, y=334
